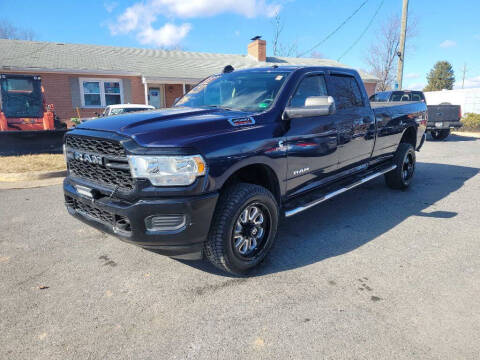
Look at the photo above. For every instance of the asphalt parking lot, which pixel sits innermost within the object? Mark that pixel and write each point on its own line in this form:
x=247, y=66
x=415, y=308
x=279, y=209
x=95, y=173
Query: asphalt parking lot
x=372, y=274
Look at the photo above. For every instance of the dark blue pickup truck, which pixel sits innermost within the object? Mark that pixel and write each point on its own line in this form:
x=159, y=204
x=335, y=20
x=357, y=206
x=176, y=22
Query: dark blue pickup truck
x=216, y=173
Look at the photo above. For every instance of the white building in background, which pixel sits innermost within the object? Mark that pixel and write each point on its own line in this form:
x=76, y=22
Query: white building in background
x=469, y=99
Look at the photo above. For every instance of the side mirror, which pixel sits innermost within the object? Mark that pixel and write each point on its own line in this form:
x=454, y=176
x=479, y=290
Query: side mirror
x=314, y=106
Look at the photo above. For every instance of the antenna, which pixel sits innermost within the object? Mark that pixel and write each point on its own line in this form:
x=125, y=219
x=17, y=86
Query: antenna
x=228, y=69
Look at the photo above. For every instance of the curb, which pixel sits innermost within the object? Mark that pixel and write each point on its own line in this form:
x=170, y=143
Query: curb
x=466, y=133
x=33, y=175
x=30, y=184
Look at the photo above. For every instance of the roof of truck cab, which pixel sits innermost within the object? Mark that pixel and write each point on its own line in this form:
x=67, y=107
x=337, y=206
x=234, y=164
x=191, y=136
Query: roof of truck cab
x=290, y=68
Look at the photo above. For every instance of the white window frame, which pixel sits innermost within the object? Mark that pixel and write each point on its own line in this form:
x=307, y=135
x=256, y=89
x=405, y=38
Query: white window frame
x=101, y=82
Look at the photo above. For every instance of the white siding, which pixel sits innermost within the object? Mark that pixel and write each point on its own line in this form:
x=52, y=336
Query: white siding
x=468, y=99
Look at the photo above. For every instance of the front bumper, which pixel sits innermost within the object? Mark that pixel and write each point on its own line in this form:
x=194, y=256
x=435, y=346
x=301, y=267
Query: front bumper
x=106, y=213
x=440, y=125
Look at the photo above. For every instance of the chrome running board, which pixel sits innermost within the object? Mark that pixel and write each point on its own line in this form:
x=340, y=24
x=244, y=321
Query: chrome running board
x=332, y=194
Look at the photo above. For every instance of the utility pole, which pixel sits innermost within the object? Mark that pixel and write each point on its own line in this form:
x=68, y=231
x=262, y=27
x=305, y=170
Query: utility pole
x=464, y=73
x=401, y=53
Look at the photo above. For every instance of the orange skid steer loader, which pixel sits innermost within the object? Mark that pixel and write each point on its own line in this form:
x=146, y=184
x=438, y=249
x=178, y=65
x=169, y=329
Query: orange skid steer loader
x=23, y=104
x=27, y=123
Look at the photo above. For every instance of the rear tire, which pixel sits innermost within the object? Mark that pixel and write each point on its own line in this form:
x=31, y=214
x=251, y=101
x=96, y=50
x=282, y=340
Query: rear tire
x=243, y=228
x=440, y=134
x=405, y=159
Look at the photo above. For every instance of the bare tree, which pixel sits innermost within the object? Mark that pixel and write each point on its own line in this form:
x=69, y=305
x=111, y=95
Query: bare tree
x=11, y=32
x=382, y=54
x=279, y=48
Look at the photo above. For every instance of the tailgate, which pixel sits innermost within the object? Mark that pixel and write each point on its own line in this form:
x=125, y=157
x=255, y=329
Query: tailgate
x=440, y=113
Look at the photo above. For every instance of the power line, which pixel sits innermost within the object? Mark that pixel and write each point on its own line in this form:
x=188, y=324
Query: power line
x=363, y=32
x=334, y=31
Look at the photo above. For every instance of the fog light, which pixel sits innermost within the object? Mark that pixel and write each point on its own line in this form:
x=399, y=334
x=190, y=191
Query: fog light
x=439, y=124
x=168, y=222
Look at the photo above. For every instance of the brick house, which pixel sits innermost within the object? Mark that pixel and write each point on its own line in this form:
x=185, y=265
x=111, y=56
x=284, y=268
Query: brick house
x=84, y=79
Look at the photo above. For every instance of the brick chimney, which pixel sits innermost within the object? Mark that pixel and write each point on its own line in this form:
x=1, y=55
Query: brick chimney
x=258, y=49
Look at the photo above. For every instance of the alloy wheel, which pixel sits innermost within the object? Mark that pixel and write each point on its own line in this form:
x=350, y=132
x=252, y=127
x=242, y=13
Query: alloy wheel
x=251, y=230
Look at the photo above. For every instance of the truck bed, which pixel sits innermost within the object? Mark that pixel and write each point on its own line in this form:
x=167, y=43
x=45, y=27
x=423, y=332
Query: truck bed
x=397, y=108
x=376, y=105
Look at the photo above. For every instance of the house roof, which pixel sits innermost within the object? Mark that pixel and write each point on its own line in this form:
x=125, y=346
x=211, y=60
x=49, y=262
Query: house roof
x=153, y=64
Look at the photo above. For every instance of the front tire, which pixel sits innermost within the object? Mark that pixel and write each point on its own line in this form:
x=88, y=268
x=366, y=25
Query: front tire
x=401, y=177
x=440, y=134
x=243, y=229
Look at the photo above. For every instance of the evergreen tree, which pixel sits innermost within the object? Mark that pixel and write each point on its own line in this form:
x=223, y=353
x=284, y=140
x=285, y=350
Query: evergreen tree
x=440, y=77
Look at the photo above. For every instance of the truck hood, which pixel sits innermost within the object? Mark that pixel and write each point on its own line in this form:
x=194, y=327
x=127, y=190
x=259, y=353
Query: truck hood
x=170, y=127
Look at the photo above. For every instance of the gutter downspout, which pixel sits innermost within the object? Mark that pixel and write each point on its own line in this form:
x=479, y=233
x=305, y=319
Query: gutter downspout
x=145, y=88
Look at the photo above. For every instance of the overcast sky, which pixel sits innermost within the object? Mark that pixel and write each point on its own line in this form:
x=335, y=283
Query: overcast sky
x=446, y=31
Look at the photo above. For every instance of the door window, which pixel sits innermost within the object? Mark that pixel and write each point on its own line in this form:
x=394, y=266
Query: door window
x=346, y=92
x=310, y=86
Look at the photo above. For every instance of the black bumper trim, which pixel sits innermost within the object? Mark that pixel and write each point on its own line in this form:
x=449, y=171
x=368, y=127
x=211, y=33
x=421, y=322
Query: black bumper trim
x=189, y=240
x=451, y=125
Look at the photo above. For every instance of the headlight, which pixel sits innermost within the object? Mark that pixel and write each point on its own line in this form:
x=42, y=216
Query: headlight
x=167, y=170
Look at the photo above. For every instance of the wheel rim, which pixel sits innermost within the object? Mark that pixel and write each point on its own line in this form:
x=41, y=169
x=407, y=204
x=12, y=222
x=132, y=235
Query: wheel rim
x=408, y=167
x=251, y=230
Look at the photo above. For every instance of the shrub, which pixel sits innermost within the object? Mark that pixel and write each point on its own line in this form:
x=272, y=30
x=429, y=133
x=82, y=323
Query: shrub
x=471, y=121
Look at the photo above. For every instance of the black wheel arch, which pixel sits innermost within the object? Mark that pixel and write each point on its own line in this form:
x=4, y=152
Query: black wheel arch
x=257, y=174
x=410, y=136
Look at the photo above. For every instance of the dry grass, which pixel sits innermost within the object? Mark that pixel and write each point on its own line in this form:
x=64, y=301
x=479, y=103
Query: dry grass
x=27, y=163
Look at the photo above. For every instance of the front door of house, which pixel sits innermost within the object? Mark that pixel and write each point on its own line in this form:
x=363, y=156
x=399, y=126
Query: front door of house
x=154, y=97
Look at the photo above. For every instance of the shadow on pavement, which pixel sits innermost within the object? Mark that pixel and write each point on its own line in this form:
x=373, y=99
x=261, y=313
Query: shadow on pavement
x=351, y=220
x=455, y=138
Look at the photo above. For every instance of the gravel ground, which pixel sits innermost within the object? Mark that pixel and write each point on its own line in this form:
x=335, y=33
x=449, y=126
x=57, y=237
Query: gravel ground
x=372, y=274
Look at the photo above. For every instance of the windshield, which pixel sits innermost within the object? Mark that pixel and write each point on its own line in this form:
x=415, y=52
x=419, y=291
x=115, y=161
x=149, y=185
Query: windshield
x=19, y=85
x=21, y=97
x=244, y=91
x=126, y=110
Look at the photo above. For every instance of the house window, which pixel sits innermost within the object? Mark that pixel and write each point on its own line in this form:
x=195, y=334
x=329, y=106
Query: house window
x=101, y=92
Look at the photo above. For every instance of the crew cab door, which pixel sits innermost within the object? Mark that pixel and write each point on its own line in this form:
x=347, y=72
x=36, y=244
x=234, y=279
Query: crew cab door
x=311, y=142
x=354, y=120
